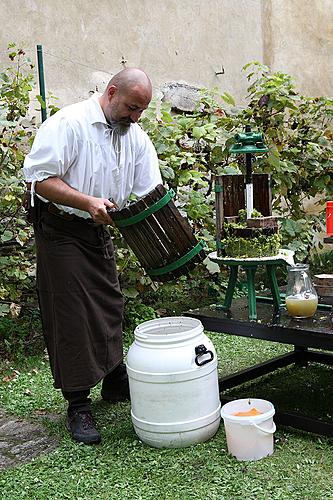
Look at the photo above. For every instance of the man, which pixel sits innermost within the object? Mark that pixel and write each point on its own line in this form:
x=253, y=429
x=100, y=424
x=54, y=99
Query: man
x=87, y=159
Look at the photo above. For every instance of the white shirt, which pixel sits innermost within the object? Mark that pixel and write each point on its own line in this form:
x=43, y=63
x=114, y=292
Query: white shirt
x=77, y=145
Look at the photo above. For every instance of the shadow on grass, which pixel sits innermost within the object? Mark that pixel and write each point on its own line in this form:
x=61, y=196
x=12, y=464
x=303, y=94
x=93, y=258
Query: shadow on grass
x=308, y=390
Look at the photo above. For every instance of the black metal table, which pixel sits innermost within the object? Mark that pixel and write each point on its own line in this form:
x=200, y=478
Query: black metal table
x=305, y=335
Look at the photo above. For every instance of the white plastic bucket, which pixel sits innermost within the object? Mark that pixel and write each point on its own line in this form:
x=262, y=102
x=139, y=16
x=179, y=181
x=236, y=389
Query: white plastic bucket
x=249, y=437
x=172, y=373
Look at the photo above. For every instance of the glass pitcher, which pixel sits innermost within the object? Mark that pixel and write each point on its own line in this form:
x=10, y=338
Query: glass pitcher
x=301, y=296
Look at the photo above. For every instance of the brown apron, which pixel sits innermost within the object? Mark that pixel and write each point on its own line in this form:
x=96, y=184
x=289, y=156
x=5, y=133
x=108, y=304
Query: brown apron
x=80, y=299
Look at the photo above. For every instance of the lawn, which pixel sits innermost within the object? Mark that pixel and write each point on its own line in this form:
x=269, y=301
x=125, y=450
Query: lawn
x=122, y=467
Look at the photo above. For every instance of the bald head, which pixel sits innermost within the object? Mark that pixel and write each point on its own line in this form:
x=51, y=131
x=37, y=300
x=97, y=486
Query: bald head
x=126, y=96
x=130, y=78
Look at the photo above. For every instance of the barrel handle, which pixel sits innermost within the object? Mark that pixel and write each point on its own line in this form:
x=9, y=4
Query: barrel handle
x=266, y=431
x=200, y=350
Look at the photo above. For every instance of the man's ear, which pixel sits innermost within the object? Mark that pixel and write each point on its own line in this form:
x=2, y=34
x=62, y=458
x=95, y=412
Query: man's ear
x=111, y=91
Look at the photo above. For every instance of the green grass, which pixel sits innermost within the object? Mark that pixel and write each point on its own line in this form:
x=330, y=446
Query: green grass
x=122, y=467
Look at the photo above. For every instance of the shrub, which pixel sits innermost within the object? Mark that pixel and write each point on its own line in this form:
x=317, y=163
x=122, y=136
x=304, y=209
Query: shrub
x=17, y=267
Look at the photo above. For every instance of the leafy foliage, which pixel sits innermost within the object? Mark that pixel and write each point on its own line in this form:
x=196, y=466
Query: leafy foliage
x=15, y=234
x=299, y=133
x=20, y=336
x=258, y=246
x=192, y=147
x=322, y=263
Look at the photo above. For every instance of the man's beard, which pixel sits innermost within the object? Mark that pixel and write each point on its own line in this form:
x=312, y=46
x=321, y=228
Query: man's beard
x=120, y=127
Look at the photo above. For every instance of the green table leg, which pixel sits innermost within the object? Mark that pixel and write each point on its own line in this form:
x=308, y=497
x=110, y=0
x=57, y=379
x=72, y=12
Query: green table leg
x=271, y=273
x=251, y=293
x=230, y=288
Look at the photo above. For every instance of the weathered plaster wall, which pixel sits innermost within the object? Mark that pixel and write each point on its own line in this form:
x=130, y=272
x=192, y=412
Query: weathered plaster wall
x=173, y=40
x=187, y=40
x=298, y=39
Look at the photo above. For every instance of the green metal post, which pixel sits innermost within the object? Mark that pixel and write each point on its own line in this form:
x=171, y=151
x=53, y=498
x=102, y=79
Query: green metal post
x=41, y=80
x=230, y=288
x=271, y=273
x=251, y=292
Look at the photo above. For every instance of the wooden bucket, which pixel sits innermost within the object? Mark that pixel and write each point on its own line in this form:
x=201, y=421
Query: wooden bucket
x=159, y=236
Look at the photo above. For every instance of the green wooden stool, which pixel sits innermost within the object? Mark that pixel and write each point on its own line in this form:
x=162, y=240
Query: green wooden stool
x=250, y=266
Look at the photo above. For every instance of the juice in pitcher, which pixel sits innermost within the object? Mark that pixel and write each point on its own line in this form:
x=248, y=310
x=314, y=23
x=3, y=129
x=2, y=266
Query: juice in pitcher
x=301, y=296
x=302, y=306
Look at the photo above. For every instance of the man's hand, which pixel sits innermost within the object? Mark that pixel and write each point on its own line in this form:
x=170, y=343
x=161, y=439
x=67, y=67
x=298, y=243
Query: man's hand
x=98, y=210
x=57, y=191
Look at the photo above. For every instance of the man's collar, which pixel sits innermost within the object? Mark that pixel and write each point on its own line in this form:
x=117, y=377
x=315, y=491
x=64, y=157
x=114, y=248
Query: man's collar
x=95, y=111
x=96, y=114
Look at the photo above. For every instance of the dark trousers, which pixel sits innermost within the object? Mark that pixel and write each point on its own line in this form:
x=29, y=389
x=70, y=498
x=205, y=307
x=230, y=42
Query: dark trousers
x=80, y=401
x=77, y=400
x=80, y=299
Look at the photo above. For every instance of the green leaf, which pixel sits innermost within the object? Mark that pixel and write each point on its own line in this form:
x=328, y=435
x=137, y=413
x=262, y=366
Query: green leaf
x=274, y=160
x=4, y=309
x=4, y=77
x=7, y=123
x=6, y=236
x=167, y=172
x=198, y=132
x=166, y=117
x=212, y=267
x=228, y=98
x=131, y=293
x=41, y=101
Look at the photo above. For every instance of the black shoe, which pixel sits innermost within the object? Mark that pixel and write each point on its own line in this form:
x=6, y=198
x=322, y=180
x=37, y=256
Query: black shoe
x=115, y=386
x=82, y=427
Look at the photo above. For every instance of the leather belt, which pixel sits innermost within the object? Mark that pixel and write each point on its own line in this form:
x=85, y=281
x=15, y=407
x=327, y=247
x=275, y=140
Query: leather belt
x=61, y=213
x=54, y=210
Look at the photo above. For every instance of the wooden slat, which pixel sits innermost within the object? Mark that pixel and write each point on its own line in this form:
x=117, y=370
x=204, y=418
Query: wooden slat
x=262, y=196
x=181, y=233
x=162, y=236
x=168, y=233
x=136, y=239
x=233, y=194
x=131, y=238
x=145, y=235
x=179, y=227
x=160, y=239
x=169, y=217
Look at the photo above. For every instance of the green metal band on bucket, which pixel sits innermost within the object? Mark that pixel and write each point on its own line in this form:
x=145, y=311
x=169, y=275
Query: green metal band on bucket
x=218, y=188
x=148, y=211
x=179, y=262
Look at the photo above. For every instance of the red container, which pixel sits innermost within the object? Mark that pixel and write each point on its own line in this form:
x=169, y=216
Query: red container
x=329, y=218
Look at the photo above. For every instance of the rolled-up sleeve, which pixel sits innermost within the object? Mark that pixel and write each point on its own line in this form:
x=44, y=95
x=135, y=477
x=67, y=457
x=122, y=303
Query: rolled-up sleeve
x=147, y=172
x=52, y=152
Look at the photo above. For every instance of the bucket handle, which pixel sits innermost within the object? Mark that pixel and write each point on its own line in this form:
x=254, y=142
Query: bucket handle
x=266, y=431
x=201, y=350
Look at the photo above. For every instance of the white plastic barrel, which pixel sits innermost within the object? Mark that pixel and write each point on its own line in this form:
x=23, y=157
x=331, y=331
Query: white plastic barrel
x=172, y=372
x=249, y=437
